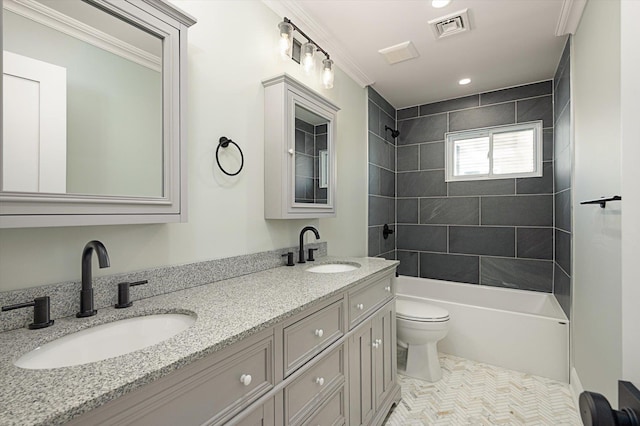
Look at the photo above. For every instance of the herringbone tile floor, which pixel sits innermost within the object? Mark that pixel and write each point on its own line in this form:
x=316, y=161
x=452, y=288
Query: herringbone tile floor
x=471, y=393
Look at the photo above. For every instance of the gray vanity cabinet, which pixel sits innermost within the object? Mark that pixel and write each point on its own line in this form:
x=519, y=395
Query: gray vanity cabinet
x=372, y=368
x=373, y=386
x=332, y=363
x=385, y=354
x=361, y=372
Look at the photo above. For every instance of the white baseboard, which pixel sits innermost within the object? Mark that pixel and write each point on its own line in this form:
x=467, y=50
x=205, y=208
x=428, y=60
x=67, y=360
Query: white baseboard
x=576, y=387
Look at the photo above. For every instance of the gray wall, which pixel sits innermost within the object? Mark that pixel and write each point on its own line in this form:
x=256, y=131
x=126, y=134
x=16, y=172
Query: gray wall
x=596, y=311
x=382, y=176
x=562, y=180
x=497, y=232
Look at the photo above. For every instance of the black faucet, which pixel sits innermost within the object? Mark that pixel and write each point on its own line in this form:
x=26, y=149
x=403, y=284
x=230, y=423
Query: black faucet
x=305, y=229
x=86, y=294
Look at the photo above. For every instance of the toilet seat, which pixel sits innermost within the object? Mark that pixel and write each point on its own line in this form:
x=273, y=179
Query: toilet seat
x=420, y=312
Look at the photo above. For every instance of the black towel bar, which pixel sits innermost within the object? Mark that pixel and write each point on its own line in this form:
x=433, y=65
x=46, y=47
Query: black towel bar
x=602, y=200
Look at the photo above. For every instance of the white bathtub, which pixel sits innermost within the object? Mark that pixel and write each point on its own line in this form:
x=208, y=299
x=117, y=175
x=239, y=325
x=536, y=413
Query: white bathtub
x=515, y=329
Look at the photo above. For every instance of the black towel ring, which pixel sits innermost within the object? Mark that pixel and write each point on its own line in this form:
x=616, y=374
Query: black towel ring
x=224, y=142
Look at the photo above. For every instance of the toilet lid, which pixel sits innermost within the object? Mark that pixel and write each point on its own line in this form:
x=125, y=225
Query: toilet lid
x=419, y=311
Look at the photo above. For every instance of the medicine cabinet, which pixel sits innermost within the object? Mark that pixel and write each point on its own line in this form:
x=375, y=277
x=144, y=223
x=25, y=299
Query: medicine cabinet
x=300, y=155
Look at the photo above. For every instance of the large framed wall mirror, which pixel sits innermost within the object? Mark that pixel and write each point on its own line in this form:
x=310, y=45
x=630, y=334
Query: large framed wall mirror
x=91, y=114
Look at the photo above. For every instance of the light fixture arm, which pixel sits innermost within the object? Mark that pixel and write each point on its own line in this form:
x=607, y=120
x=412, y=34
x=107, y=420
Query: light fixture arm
x=295, y=27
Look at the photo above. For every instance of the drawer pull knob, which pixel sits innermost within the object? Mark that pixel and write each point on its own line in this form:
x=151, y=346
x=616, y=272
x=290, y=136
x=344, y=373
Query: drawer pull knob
x=319, y=332
x=388, y=288
x=360, y=306
x=379, y=341
x=245, y=379
x=320, y=381
x=375, y=345
x=290, y=151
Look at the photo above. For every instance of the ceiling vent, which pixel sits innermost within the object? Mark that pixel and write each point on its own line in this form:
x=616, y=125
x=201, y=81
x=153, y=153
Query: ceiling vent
x=451, y=24
x=399, y=52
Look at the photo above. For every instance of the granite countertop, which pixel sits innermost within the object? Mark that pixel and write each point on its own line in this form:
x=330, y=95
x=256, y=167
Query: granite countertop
x=226, y=311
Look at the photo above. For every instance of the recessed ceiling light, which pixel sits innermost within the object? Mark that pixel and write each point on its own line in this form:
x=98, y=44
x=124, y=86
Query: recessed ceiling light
x=439, y=3
x=464, y=81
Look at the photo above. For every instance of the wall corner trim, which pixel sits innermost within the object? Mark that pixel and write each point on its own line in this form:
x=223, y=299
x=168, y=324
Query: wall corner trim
x=575, y=386
x=570, y=15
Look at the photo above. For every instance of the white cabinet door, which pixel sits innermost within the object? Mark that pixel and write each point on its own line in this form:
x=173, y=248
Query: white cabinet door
x=34, y=132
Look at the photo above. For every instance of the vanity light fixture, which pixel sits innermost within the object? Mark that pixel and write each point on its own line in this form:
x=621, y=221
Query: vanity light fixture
x=327, y=73
x=307, y=57
x=286, y=39
x=464, y=81
x=307, y=52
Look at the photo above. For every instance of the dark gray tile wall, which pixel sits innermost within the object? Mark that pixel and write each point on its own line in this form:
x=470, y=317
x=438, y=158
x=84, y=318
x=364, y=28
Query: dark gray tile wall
x=497, y=232
x=562, y=156
x=382, y=176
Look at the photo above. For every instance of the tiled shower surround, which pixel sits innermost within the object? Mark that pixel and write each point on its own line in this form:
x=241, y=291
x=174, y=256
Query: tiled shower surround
x=382, y=176
x=495, y=232
x=562, y=178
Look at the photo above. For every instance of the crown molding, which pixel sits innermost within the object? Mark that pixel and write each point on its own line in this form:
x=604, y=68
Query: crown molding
x=570, y=15
x=294, y=10
x=167, y=8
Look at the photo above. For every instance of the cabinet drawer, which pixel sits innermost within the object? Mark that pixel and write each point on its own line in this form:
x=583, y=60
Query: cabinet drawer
x=208, y=391
x=306, y=338
x=364, y=301
x=331, y=412
x=241, y=378
x=303, y=394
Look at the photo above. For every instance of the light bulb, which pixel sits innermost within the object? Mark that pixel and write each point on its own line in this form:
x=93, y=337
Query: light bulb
x=308, y=60
x=464, y=81
x=285, y=43
x=327, y=73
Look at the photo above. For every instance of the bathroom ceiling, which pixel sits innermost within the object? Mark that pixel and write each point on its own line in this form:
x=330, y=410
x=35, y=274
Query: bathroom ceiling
x=511, y=42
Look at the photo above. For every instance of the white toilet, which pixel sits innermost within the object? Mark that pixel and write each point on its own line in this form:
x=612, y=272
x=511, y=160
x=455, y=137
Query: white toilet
x=420, y=326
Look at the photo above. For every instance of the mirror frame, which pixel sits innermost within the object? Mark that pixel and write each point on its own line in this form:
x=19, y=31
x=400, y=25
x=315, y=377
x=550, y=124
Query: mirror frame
x=23, y=209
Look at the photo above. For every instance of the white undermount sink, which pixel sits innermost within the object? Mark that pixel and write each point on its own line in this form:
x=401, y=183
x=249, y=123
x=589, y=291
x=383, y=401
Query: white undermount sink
x=105, y=341
x=330, y=268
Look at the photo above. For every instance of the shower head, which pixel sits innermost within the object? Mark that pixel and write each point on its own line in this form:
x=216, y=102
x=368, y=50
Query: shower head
x=394, y=133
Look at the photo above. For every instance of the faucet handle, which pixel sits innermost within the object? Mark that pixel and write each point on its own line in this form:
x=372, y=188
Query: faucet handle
x=41, y=312
x=124, y=296
x=289, y=258
x=310, y=257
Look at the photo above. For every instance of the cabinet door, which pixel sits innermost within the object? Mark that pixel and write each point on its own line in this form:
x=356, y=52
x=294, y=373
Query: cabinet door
x=361, y=364
x=262, y=415
x=384, y=353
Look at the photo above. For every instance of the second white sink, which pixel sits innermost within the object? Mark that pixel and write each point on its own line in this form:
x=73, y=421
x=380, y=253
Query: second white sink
x=329, y=268
x=105, y=341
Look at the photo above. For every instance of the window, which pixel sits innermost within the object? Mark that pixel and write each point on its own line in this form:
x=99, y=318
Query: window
x=495, y=152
